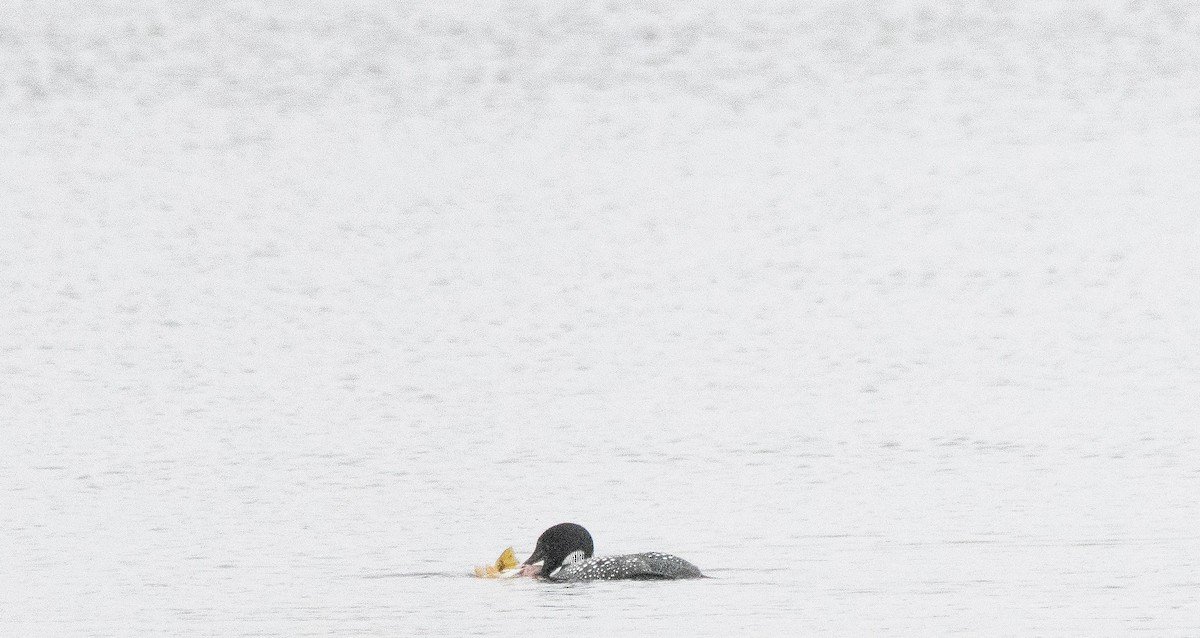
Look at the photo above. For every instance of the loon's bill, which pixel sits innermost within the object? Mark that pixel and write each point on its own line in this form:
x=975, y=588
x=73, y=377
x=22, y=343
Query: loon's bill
x=565, y=553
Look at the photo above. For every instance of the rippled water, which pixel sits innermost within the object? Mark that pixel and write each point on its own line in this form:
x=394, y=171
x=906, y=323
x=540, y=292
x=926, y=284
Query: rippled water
x=882, y=314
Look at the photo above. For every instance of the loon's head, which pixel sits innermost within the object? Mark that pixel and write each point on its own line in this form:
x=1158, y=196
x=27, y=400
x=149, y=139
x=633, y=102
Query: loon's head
x=562, y=544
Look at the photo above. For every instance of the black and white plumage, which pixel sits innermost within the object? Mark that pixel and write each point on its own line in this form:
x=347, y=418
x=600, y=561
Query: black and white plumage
x=565, y=551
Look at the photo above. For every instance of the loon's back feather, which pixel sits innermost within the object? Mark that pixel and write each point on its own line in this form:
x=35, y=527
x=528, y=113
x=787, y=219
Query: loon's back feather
x=644, y=566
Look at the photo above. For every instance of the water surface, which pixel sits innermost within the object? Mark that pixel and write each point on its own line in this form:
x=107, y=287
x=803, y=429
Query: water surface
x=882, y=314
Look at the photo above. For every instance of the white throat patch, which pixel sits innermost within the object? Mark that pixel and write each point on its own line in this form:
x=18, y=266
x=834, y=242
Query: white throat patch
x=574, y=557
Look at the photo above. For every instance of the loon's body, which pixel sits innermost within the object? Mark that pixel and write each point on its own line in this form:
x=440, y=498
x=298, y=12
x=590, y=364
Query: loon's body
x=644, y=566
x=565, y=551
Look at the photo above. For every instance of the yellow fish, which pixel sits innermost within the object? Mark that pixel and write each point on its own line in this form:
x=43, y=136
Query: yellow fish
x=507, y=560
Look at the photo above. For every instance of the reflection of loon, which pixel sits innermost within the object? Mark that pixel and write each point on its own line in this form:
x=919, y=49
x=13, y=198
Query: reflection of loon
x=566, y=554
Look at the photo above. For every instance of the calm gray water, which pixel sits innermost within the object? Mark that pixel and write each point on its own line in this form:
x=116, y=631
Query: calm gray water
x=883, y=314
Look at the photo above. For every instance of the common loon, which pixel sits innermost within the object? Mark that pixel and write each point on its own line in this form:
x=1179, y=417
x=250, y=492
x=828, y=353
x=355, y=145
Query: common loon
x=566, y=554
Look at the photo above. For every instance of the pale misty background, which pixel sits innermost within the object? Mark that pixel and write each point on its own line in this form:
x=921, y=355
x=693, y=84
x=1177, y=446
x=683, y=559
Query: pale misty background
x=882, y=313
